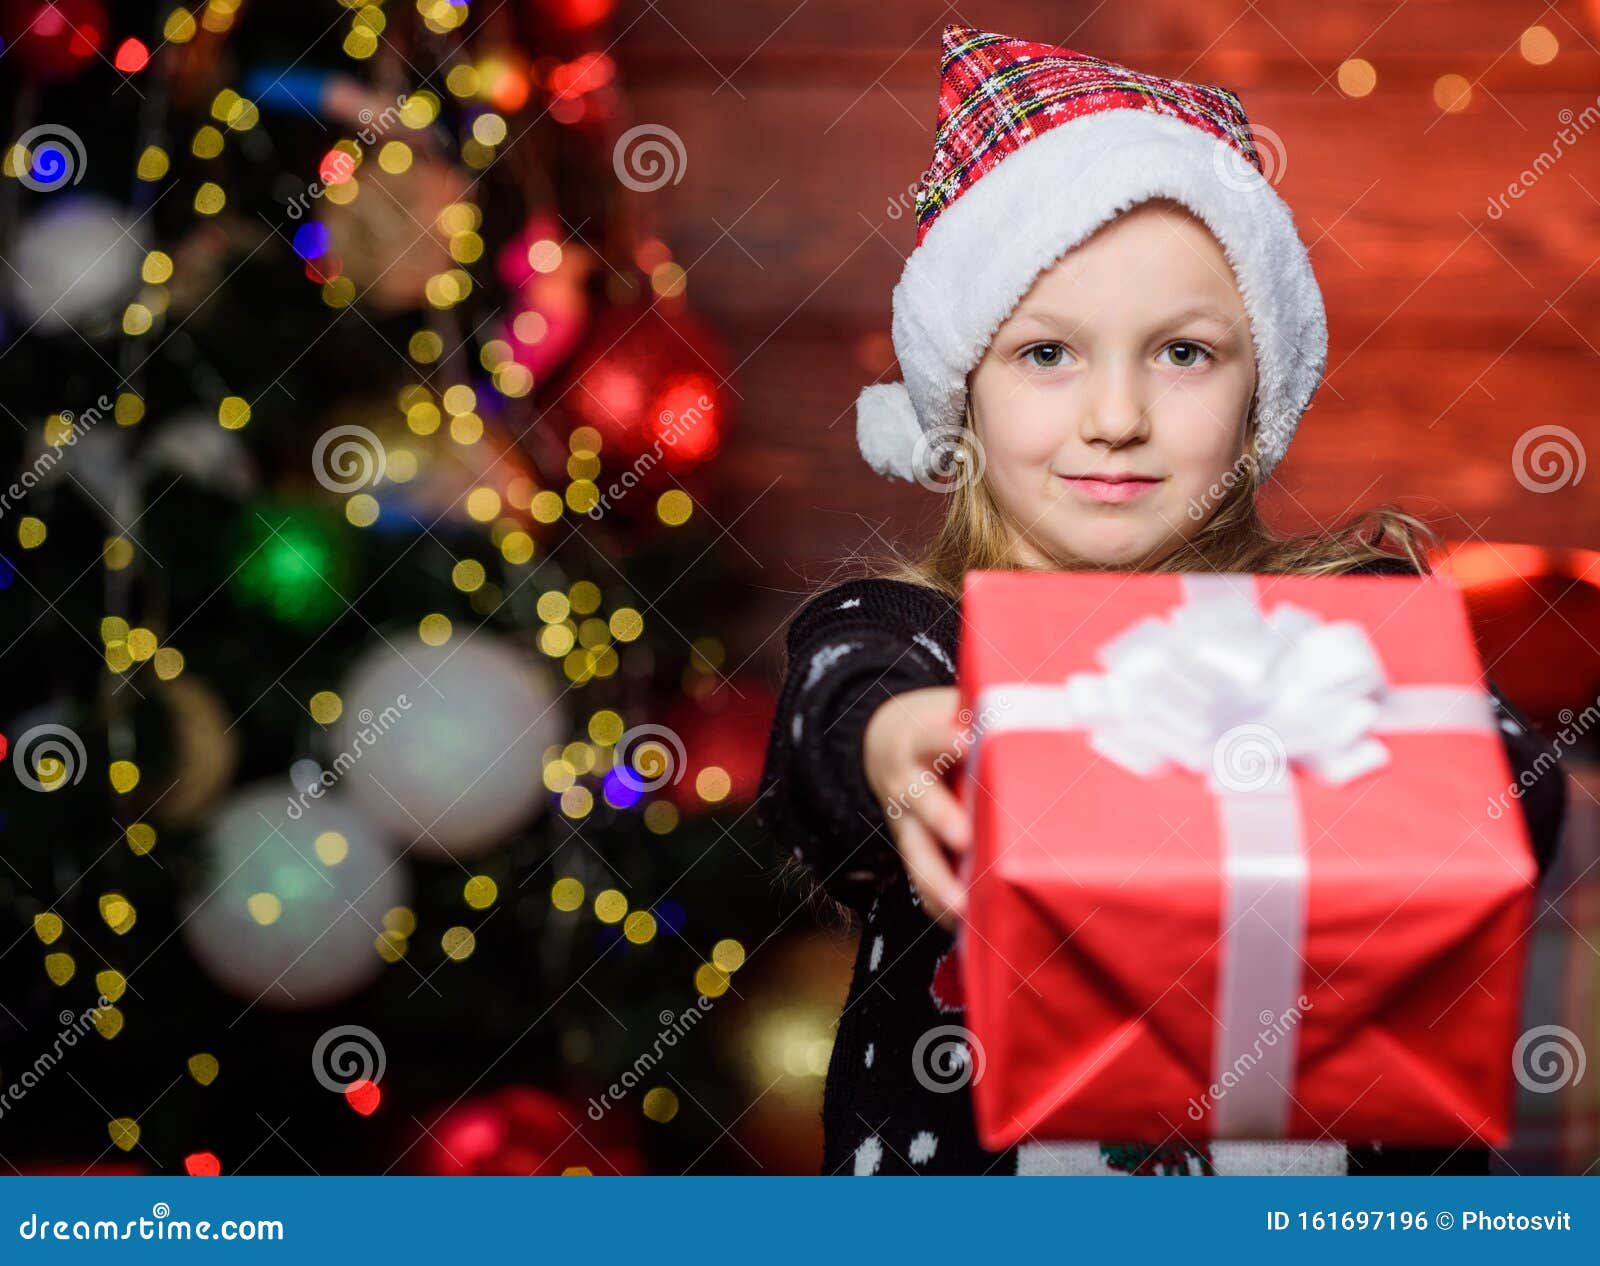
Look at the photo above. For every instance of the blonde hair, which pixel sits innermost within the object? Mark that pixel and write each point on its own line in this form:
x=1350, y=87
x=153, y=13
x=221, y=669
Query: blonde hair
x=973, y=535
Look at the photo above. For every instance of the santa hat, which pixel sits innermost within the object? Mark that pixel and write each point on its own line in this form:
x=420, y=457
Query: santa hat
x=1036, y=148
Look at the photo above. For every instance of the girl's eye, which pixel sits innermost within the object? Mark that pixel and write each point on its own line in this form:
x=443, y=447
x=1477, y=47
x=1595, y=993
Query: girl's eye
x=1196, y=354
x=1046, y=355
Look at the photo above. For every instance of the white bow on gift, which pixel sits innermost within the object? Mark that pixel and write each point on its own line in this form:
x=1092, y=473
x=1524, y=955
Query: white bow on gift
x=1229, y=692
x=1224, y=690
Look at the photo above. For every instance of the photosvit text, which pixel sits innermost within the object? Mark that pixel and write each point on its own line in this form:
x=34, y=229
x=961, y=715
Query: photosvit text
x=1414, y=1220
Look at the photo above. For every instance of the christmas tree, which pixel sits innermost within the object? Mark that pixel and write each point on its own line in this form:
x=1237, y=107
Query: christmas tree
x=378, y=787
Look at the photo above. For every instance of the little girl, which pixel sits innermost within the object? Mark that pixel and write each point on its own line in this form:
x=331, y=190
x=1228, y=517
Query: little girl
x=1109, y=330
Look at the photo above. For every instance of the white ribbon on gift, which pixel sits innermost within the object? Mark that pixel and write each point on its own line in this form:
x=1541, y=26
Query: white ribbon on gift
x=1240, y=696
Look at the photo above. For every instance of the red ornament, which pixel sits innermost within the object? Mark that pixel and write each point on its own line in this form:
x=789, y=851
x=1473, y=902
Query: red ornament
x=503, y=80
x=572, y=15
x=551, y=270
x=132, y=56
x=652, y=386
x=582, y=75
x=363, y=1096
x=521, y=1130
x=324, y=269
x=727, y=732
x=55, y=38
x=202, y=1164
x=583, y=91
x=336, y=167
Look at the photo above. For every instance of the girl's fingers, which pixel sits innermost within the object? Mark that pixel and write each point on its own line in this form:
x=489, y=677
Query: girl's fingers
x=937, y=808
x=943, y=895
x=938, y=748
x=939, y=739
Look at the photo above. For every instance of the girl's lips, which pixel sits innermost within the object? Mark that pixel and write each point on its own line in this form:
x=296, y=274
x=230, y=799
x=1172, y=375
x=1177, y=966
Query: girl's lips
x=1110, y=490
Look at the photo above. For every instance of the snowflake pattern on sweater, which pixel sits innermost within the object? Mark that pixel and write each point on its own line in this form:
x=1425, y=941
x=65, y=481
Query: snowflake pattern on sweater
x=897, y=1096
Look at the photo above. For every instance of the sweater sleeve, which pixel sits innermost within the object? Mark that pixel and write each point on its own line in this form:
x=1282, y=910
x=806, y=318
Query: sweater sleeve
x=1538, y=781
x=848, y=649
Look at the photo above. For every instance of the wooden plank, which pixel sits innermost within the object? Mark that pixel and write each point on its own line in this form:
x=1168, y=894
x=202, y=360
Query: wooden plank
x=1168, y=31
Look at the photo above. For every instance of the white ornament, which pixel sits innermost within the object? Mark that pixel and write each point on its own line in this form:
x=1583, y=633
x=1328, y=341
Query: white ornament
x=75, y=262
x=287, y=909
x=443, y=745
x=194, y=446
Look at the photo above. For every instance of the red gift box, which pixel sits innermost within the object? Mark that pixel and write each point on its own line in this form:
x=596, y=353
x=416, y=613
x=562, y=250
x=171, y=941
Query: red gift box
x=1234, y=872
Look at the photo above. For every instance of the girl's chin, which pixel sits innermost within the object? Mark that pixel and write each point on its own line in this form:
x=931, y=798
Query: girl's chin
x=1114, y=548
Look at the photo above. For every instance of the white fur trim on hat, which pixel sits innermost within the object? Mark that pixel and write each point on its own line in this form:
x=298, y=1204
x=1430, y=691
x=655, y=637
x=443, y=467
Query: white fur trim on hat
x=986, y=249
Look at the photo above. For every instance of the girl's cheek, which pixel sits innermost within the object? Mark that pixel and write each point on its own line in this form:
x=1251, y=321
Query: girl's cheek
x=1035, y=447
x=1210, y=404
x=1204, y=430
x=1030, y=429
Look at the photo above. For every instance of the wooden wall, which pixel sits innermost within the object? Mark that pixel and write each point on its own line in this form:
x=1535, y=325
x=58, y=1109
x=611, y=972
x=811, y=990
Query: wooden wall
x=806, y=121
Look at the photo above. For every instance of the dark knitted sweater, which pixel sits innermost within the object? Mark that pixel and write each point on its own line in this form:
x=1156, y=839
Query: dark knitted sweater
x=849, y=649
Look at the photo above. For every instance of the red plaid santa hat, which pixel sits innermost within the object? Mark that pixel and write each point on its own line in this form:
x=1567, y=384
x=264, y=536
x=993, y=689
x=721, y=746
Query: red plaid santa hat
x=1036, y=148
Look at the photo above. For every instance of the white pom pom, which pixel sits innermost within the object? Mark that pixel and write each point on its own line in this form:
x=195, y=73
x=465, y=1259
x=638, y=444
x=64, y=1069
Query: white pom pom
x=887, y=429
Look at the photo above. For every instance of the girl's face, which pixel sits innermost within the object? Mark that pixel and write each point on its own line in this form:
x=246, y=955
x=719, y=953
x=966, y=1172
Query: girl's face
x=1116, y=396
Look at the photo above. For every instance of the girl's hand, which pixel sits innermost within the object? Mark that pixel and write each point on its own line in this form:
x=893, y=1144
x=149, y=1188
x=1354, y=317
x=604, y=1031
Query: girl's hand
x=905, y=739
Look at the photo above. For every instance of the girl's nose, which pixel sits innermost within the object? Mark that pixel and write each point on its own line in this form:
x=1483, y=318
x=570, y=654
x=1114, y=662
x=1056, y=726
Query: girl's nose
x=1115, y=412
